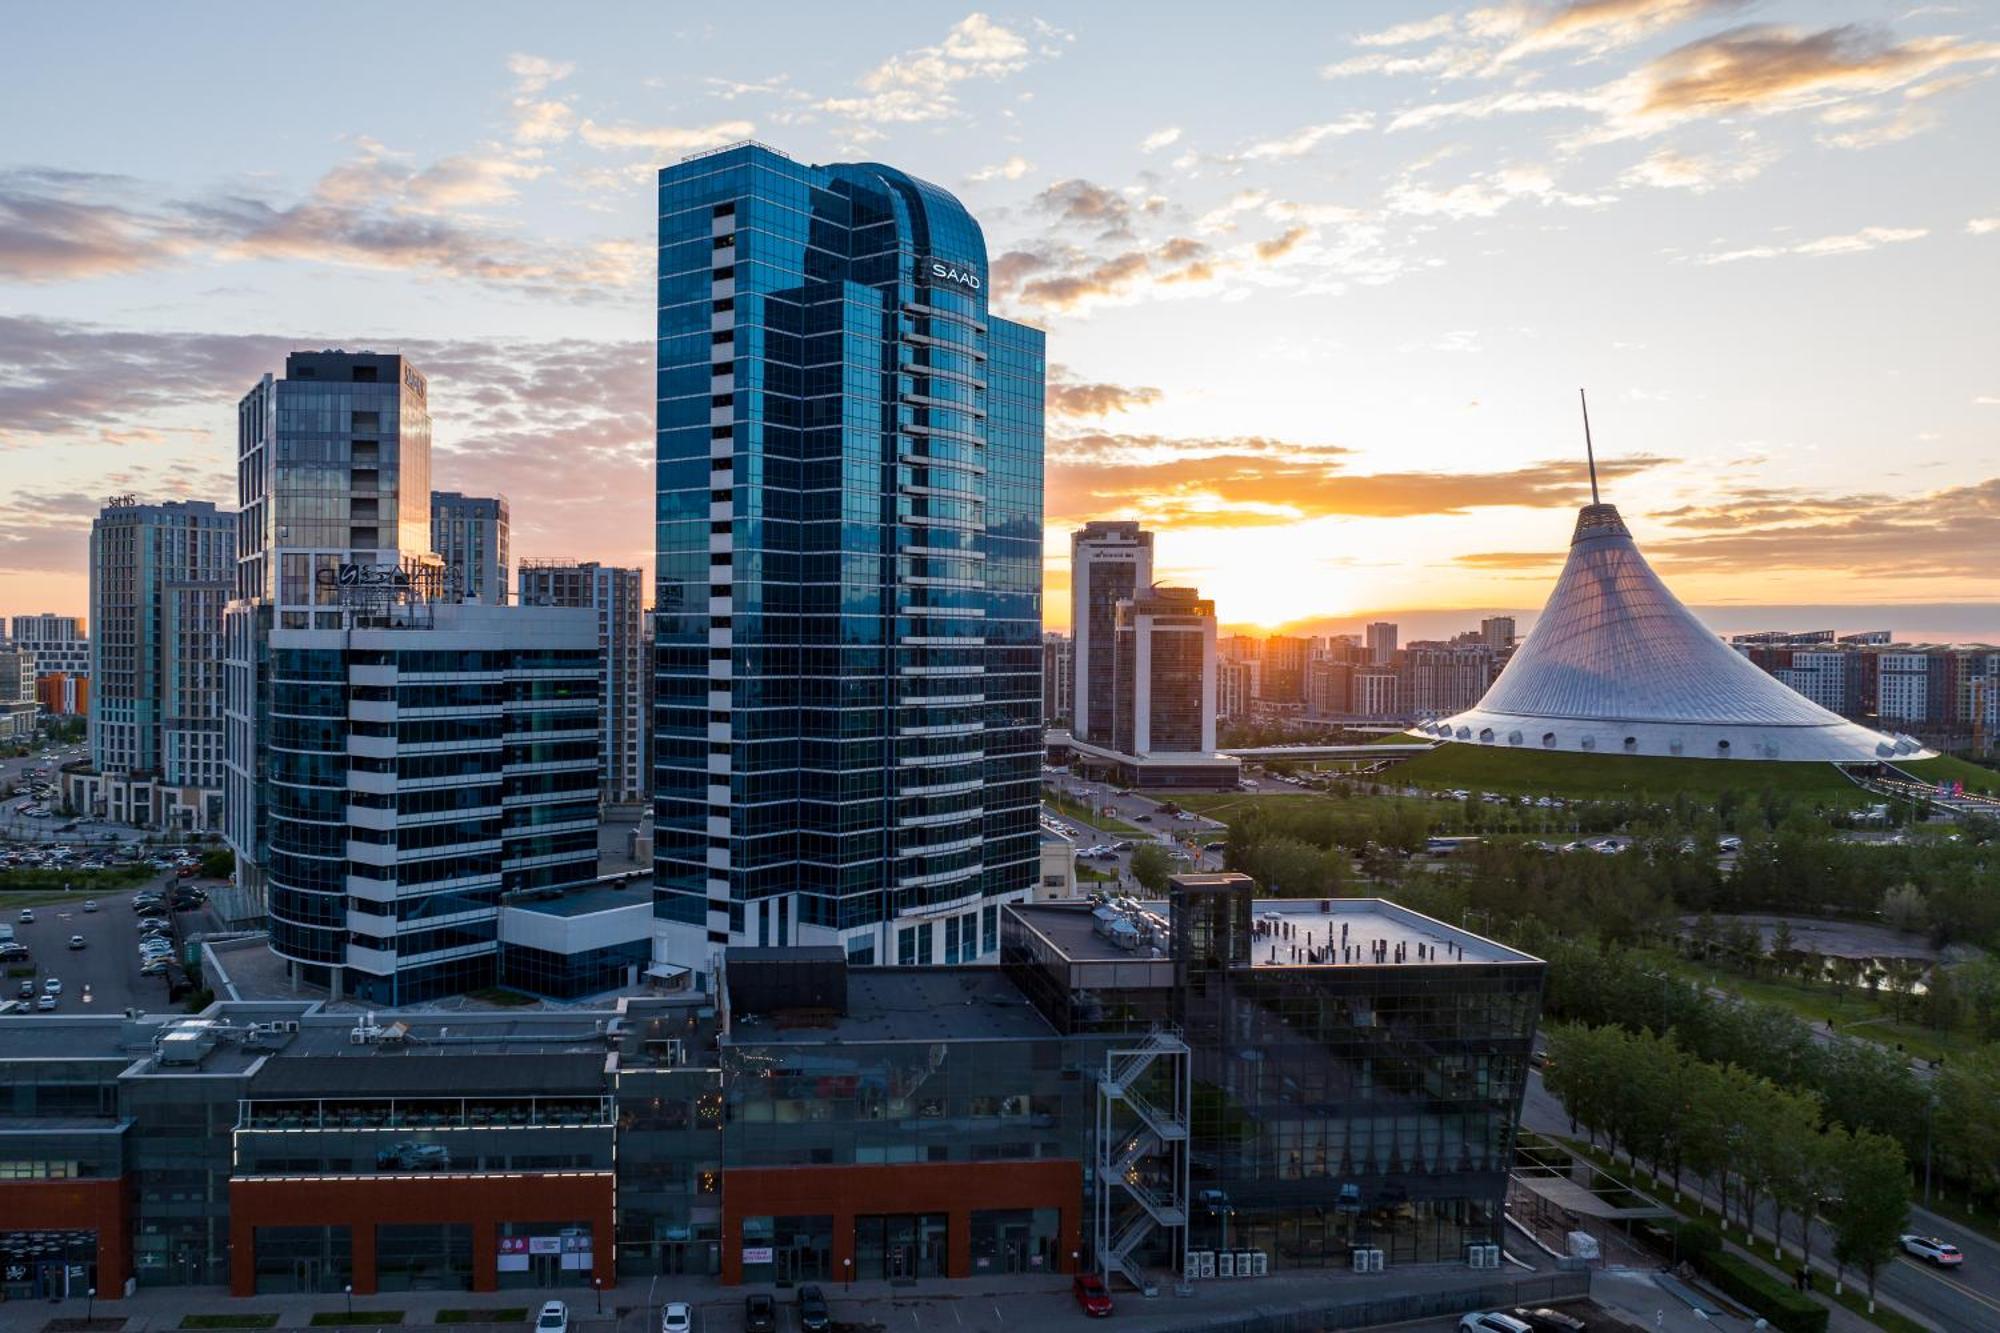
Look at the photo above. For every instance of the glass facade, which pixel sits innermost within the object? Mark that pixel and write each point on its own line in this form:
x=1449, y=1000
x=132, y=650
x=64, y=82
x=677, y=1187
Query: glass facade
x=411, y=784
x=847, y=658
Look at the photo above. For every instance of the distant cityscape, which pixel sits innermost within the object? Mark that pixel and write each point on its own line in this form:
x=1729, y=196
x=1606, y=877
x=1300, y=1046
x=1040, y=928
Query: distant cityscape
x=812, y=985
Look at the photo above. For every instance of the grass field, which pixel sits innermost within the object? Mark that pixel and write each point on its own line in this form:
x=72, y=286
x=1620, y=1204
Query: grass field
x=1857, y=1014
x=1536, y=773
x=1946, y=768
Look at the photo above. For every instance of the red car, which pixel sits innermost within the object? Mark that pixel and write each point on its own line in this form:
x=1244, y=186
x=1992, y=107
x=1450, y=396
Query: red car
x=1090, y=1293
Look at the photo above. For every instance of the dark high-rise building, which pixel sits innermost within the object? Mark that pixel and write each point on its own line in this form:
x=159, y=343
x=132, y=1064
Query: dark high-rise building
x=1285, y=669
x=1108, y=563
x=614, y=596
x=399, y=760
x=848, y=663
x=1058, y=678
x=159, y=580
x=470, y=533
x=1164, y=667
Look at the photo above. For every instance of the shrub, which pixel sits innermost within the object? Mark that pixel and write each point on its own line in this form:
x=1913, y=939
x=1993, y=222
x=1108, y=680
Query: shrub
x=1786, y=1309
x=1695, y=1238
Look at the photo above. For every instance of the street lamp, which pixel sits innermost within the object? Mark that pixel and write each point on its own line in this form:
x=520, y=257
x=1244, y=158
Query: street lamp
x=597, y=1285
x=90, y=1307
x=350, y=1299
x=847, y=1273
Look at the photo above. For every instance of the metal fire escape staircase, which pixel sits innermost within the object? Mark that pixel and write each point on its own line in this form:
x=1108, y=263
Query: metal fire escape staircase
x=1141, y=1185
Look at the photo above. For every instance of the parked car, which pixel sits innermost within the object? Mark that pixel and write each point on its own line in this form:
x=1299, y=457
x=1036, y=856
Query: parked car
x=554, y=1318
x=27, y=916
x=47, y=1003
x=12, y=952
x=1544, y=1320
x=1932, y=1250
x=90, y=904
x=27, y=990
x=760, y=1313
x=814, y=1317
x=1492, y=1322
x=53, y=986
x=1091, y=1296
x=677, y=1317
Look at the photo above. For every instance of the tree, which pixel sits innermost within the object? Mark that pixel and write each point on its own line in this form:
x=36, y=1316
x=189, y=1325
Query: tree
x=1782, y=947
x=1873, y=1205
x=1150, y=866
x=1904, y=907
x=218, y=863
x=1941, y=1003
x=1967, y=1128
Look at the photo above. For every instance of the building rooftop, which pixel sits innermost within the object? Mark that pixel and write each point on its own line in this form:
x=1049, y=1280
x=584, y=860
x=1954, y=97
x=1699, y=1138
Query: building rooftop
x=598, y=898
x=1079, y=933
x=906, y=1004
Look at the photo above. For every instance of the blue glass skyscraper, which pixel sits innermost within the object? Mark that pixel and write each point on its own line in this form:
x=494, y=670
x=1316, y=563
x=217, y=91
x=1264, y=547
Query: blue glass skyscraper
x=848, y=661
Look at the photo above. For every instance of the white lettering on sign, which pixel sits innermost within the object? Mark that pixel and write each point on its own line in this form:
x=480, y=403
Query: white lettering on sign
x=943, y=271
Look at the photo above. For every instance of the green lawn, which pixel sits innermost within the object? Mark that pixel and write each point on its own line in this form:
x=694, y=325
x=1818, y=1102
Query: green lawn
x=1946, y=768
x=1538, y=772
x=1223, y=805
x=512, y=1315
x=1859, y=1014
x=11, y=901
x=342, y=1319
x=1074, y=809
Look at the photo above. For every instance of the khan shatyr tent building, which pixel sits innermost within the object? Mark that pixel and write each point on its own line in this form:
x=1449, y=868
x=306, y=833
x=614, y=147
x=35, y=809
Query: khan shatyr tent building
x=1617, y=665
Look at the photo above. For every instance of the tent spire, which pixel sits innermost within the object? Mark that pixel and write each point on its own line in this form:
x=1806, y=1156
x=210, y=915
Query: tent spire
x=1589, y=453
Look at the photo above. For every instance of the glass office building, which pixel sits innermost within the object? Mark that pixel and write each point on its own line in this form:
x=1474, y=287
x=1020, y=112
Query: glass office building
x=848, y=660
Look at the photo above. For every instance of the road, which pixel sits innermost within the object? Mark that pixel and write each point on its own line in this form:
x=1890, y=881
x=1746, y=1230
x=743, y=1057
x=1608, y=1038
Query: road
x=1141, y=812
x=103, y=976
x=1967, y=1299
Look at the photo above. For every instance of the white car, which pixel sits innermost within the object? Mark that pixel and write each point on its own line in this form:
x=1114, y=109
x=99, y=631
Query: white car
x=1932, y=1250
x=554, y=1318
x=677, y=1317
x=53, y=986
x=1493, y=1322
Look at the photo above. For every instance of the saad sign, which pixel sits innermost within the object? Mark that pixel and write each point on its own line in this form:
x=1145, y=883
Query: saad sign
x=958, y=275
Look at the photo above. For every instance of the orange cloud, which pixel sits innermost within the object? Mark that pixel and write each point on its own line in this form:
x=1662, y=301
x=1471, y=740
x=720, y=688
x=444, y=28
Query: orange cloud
x=1764, y=65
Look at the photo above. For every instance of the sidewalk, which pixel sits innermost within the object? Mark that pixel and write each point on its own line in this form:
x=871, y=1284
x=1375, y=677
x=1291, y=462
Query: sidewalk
x=985, y=1304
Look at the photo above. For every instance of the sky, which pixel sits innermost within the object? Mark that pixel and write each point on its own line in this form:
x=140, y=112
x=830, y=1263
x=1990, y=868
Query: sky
x=1320, y=281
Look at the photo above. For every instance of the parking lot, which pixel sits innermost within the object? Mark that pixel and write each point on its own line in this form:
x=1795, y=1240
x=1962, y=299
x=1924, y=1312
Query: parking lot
x=104, y=973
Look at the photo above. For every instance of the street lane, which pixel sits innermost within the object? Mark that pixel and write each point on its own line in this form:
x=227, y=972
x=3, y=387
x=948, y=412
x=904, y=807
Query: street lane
x=1966, y=1299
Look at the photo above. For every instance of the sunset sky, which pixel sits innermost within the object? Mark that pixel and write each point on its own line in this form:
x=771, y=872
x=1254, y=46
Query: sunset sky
x=1320, y=281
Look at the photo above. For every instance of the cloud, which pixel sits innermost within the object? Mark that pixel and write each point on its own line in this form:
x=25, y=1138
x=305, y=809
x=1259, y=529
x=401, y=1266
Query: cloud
x=1982, y=226
x=1069, y=397
x=565, y=426
x=375, y=210
x=1942, y=534
x=1598, y=26
x=532, y=74
x=1907, y=123
x=1259, y=481
x=60, y=226
x=1764, y=67
x=1082, y=203
x=919, y=85
x=1159, y=139
x=665, y=138
x=1667, y=169
x=538, y=119
x=1303, y=140
x=1484, y=195
x=1277, y=247
x=1403, y=34
x=1850, y=243
x=1012, y=169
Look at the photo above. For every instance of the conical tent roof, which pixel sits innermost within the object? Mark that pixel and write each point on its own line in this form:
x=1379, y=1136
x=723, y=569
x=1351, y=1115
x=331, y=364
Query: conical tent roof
x=1617, y=665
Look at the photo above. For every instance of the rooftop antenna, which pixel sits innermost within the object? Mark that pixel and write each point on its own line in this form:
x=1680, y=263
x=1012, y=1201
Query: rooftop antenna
x=1588, y=453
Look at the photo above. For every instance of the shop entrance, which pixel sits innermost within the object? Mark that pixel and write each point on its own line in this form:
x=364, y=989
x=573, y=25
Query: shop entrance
x=47, y=1264
x=900, y=1246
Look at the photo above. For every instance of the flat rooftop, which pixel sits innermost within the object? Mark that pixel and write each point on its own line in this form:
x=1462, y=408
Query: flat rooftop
x=582, y=902
x=907, y=1004
x=1286, y=924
